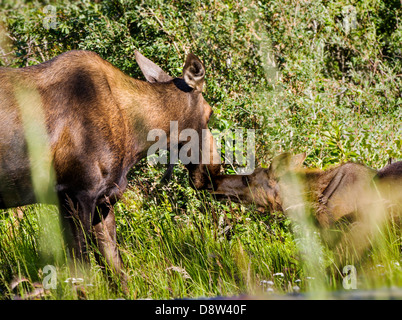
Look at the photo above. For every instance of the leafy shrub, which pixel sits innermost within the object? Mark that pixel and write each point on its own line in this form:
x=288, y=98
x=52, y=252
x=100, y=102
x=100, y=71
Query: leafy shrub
x=317, y=76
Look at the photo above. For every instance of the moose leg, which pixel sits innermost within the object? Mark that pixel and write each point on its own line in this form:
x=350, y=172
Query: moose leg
x=76, y=220
x=74, y=237
x=104, y=232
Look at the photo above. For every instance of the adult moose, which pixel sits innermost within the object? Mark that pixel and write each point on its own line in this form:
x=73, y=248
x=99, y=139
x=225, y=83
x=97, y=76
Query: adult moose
x=96, y=119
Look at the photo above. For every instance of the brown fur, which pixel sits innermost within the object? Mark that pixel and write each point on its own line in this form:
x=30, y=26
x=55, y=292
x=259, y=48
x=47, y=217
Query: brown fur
x=333, y=193
x=97, y=120
x=389, y=183
x=349, y=191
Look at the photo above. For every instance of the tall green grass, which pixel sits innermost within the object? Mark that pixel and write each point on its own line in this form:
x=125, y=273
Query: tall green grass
x=204, y=250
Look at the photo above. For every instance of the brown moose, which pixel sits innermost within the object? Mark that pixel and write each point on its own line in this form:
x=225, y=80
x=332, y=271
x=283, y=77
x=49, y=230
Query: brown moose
x=334, y=193
x=389, y=184
x=349, y=192
x=96, y=119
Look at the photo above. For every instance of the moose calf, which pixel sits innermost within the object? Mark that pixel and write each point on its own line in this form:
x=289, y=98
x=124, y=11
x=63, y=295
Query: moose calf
x=389, y=183
x=333, y=193
x=345, y=192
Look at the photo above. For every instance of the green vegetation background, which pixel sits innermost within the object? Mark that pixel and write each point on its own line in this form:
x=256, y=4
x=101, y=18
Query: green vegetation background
x=322, y=77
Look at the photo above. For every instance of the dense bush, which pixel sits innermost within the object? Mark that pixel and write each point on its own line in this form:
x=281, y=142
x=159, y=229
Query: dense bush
x=312, y=68
x=319, y=76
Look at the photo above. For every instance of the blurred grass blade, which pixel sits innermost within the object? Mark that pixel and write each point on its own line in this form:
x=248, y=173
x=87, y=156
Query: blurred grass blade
x=42, y=171
x=306, y=234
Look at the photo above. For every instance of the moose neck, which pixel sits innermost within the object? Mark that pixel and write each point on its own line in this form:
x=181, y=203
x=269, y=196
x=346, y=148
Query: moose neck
x=316, y=181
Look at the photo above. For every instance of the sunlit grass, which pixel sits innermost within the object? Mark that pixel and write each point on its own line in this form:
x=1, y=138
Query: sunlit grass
x=190, y=252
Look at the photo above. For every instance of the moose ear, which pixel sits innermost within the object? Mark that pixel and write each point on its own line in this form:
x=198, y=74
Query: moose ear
x=297, y=160
x=279, y=165
x=285, y=162
x=194, y=72
x=151, y=71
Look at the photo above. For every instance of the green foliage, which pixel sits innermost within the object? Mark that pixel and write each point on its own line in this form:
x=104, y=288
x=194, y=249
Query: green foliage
x=317, y=76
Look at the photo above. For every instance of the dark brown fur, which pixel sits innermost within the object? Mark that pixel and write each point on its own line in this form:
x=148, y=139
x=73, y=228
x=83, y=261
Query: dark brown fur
x=333, y=193
x=392, y=172
x=97, y=120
